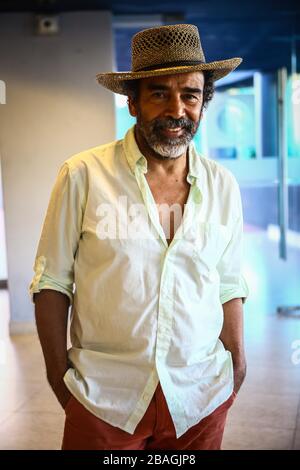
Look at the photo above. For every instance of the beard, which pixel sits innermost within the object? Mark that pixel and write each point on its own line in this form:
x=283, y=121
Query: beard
x=167, y=147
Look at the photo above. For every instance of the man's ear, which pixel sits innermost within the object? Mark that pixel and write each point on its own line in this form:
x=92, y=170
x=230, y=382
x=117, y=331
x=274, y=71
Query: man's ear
x=132, y=106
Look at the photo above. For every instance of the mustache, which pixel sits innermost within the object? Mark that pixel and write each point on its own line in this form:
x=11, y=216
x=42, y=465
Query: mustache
x=171, y=123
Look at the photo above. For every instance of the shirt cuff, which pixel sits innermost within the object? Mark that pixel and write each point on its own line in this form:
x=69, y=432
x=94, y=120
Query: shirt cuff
x=230, y=292
x=42, y=281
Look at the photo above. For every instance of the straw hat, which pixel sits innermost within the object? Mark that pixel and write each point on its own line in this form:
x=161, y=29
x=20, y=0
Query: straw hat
x=164, y=51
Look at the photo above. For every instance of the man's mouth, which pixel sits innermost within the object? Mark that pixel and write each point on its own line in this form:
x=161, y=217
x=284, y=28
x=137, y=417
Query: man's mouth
x=173, y=132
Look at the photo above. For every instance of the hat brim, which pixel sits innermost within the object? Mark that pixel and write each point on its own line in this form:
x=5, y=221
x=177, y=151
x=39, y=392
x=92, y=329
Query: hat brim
x=114, y=81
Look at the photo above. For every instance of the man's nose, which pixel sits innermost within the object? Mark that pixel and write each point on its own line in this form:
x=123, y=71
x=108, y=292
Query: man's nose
x=175, y=108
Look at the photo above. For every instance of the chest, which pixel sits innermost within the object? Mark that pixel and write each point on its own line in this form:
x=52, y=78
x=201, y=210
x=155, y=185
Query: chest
x=170, y=198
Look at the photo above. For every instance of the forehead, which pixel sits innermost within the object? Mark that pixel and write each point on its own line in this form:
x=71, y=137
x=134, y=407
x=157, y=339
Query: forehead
x=180, y=80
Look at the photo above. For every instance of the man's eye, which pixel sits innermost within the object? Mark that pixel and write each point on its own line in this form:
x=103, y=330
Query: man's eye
x=191, y=97
x=159, y=94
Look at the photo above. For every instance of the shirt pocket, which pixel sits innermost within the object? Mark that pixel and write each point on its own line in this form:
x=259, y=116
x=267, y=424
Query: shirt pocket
x=211, y=240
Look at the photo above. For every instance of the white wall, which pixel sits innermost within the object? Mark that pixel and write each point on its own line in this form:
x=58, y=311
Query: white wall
x=54, y=108
x=3, y=262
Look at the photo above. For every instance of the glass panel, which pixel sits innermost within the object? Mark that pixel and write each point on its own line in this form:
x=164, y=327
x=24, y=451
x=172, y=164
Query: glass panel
x=228, y=127
x=241, y=120
x=293, y=115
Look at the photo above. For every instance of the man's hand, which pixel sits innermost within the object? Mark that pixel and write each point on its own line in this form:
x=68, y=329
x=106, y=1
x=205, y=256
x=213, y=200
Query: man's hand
x=239, y=374
x=51, y=313
x=62, y=393
x=232, y=337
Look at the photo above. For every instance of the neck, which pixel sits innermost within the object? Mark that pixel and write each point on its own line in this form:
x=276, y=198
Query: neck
x=161, y=165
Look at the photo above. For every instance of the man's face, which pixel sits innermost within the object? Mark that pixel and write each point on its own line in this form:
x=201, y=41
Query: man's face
x=168, y=112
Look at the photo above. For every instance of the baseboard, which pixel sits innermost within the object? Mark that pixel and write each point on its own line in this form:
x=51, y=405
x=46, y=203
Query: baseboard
x=3, y=284
x=22, y=328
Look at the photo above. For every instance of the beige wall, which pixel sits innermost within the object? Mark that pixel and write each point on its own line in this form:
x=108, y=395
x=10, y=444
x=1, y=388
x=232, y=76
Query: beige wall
x=54, y=108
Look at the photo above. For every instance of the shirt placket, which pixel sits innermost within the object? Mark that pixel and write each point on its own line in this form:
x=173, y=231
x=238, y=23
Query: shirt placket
x=149, y=202
x=167, y=284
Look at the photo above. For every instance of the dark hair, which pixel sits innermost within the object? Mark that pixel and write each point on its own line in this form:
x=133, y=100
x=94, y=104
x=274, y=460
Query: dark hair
x=209, y=87
x=132, y=88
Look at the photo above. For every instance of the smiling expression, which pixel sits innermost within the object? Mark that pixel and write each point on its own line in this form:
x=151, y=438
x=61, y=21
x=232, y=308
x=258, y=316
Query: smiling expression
x=168, y=111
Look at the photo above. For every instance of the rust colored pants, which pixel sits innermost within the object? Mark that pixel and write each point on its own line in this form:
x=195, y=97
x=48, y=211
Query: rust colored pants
x=84, y=431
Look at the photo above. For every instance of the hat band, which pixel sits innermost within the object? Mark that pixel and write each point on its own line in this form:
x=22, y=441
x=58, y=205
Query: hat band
x=179, y=63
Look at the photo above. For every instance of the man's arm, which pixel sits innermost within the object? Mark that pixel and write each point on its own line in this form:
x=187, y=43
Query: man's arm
x=232, y=336
x=51, y=313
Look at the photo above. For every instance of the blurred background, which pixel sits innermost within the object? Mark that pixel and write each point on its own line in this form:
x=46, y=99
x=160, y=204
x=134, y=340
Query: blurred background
x=51, y=108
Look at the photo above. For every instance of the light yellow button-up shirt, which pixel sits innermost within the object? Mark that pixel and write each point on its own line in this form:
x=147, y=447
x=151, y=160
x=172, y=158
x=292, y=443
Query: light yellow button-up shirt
x=143, y=311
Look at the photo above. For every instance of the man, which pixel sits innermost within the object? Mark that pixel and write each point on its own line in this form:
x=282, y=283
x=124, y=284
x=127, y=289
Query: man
x=150, y=234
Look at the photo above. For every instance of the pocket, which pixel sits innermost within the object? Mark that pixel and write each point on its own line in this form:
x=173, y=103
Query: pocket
x=231, y=399
x=226, y=405
x=229, y=402
x=210, y=243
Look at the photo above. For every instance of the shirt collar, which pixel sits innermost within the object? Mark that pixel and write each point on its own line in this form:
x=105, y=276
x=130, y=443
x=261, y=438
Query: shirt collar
x=136, y=158
x=133, y=154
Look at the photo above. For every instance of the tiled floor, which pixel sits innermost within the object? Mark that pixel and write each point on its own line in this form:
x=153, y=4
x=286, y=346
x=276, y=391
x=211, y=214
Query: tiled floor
x=266, y=414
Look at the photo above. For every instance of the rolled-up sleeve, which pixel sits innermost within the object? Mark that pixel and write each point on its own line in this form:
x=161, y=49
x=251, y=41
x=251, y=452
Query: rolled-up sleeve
x=232, y=282
x=54, y=262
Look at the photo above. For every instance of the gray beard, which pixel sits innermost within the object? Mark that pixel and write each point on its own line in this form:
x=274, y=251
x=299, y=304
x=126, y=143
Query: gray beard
x=168, y=150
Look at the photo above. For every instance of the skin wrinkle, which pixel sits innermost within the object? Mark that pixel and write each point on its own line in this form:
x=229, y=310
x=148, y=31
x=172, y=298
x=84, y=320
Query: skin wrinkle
x=132, y=87
x=174, y=101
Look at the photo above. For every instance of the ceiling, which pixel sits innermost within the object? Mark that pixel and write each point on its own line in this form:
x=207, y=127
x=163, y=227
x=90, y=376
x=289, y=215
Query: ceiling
x=263, y=32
